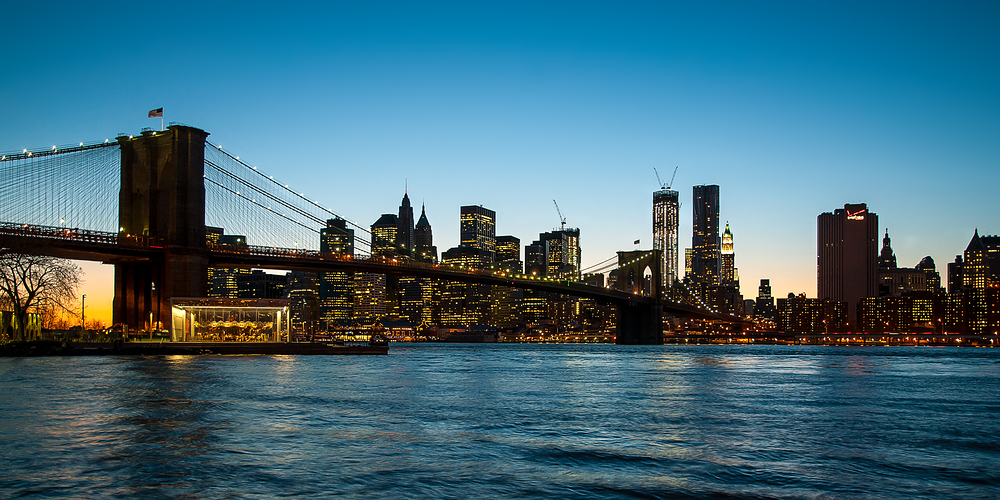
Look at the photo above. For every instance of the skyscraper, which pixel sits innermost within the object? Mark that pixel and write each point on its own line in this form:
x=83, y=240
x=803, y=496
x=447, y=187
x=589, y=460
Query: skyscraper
x=666, y=217
x=847, y=256
x=423, y=239
x=336, y=289
x=728, y=275
x=404, y=227
x=705, y=238
x=478, y=230
x=384, y=232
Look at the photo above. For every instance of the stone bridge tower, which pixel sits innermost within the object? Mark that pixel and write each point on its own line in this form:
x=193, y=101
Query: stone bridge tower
x=163, y=198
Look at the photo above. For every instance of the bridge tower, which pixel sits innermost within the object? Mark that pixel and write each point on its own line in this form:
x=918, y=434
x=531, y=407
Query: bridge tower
x=641, y=322
x=163, y=198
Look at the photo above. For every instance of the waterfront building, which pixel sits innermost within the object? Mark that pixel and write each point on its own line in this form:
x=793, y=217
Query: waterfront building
x=847, y=266
x=336, y=288
x=802, y=315
x=705, y=243
x=478, y=230
x=666, y=217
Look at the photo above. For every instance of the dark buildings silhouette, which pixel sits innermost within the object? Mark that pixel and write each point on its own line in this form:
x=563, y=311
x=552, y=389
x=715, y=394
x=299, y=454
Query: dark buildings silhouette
x=705, y=241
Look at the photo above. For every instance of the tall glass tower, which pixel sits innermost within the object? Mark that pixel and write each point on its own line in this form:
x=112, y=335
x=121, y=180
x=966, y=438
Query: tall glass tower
x=666, y=215
x=705, y=238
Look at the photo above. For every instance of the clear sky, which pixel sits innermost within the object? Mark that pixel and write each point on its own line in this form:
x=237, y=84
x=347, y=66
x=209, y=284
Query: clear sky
x=793, y=108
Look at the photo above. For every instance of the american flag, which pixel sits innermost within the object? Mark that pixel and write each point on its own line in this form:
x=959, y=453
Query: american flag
x=156, y=113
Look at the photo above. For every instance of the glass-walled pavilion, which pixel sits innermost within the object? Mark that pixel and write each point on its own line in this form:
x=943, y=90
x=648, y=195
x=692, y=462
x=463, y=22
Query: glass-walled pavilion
x=229, y=320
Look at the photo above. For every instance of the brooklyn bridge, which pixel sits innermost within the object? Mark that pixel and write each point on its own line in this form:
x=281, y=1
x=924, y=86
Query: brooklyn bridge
x=142, y=203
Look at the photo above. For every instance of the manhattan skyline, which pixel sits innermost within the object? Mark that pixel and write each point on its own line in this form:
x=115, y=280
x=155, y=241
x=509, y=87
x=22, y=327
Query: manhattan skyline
x=792, y=110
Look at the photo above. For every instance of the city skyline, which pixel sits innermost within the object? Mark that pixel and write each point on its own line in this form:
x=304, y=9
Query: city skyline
x=512, y=107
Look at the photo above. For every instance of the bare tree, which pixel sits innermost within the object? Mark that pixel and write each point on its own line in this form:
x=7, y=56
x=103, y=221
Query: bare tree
x=36, y=282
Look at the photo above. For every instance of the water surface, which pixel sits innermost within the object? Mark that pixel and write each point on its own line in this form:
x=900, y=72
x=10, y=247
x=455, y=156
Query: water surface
x=507, y=421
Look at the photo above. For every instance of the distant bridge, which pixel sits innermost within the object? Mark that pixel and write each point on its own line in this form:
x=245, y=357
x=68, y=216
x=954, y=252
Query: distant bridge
x=166, y=195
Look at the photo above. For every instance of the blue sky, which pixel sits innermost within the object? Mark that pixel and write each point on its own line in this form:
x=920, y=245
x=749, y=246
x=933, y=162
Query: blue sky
x=793, y=108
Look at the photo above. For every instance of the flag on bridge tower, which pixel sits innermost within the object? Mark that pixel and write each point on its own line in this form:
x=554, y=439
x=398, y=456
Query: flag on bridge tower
x=636, y=242
x=157, y=113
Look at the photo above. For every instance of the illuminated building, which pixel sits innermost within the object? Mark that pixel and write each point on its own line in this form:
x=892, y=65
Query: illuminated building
x=906, y=313
x=369, y=296
x=423, y=239
x=384, y=232
x=336, y=289
x=980, y=273
x=405, y=241
x=508, y=248
x=847, y=266
x=705, y=242
x=534, y=259
x=505, y=302
x=464, y=303
x=895, y=281
x=478, y=230
x=258, y=284
x=688, y=263
x=302, y=292
x=728, y=276
x=562, y=253
x=372, y=293
x=421, y=296
x=933, y=278
x=803, y=315
x=223, y=283
x=666, y=217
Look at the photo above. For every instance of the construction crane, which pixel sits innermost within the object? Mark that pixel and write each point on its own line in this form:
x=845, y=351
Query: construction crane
x=561, y=218
x=669, y=184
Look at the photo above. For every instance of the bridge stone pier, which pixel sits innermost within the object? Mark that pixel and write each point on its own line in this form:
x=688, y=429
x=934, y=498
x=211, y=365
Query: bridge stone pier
x=162, y=198
x=640, y=323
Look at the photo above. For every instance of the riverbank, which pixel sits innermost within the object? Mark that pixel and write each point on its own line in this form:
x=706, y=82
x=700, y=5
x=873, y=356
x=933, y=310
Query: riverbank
x=56, y=348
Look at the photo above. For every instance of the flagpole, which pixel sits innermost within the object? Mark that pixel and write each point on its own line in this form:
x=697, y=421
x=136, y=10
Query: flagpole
x=161, y=122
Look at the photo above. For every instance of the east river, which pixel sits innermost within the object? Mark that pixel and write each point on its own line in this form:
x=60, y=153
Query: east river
x=507, y=421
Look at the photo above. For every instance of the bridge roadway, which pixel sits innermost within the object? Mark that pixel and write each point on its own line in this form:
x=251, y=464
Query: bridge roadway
x=114, y=248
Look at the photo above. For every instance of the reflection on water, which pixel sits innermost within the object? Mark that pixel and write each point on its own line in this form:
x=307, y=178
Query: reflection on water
x=533, y=421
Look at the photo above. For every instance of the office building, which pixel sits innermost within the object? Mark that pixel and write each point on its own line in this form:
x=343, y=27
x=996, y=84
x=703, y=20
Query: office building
x=666, y=218
x=847, y=256
x=562, y=253
x=384, y=232
x=478, y=230
x=336, y=288
x=705, y=243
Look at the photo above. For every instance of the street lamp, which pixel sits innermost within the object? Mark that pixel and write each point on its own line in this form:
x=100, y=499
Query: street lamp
x=83, y=313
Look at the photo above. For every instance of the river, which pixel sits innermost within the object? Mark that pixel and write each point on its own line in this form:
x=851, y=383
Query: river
x=508, y=421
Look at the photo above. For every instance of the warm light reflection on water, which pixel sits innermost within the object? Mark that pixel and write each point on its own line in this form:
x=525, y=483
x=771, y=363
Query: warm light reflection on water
x=530, y=421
